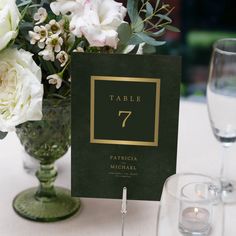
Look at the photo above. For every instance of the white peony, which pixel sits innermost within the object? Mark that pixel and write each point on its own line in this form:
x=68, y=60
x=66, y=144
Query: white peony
x=21, y=91
x=96, y=20
x=9, y=20
x=67, y=6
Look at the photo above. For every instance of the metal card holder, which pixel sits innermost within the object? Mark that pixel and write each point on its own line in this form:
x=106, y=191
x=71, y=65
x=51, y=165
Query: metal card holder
x=123, y=210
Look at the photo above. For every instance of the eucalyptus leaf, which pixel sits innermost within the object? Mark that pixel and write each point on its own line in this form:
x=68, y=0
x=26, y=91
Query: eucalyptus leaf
x=25, y=27
x=149, y=9
x=172, y=28
x=132, y=8
x=35, y=5
x=124, y=33
x=2, y=135
x=24, y=11
x=143, y=11
x=135, y=40
x=24, y=3
x=158, y=33
x=142, y=37
x=164, y=17
x=149, y=49
x=157, y=4
x=139, y=26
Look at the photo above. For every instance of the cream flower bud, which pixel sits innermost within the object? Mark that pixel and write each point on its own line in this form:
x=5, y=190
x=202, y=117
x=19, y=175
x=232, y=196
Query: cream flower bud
x=55, y=79
x=62, y=57
x=41, y=15
x=79, y=49
x=47, y=54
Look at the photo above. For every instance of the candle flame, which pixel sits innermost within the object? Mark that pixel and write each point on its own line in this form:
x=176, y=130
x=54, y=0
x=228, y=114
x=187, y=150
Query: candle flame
x=196, y=210
x=199, y=193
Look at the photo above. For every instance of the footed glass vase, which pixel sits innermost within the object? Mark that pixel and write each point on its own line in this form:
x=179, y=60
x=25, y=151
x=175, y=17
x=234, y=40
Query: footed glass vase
x=47, y=140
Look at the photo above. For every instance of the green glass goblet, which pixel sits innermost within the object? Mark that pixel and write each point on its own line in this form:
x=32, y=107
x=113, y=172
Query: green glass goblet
x=47, y=140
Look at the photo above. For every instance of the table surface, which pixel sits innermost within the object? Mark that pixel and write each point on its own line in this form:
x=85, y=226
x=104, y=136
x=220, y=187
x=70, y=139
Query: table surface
x=198, y=152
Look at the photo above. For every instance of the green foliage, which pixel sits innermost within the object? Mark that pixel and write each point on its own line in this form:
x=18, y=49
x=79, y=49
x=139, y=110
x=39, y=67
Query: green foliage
x=23, y=3
x=142, y=37
x=148, y=23
x=124, y=32
x=149, y=9
x=148, y=49
x=2, y=135
x=132, y=8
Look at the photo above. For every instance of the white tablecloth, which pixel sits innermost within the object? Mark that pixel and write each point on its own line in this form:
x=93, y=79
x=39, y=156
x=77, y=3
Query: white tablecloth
x=198, y=151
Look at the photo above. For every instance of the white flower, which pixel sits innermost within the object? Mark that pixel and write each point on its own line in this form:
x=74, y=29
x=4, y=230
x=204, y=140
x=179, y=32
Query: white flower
x=129, y=48
x=96, y=20
x=62, y=57
x=54, y=42
x=34, y=37
x=47, y=54
x=39, y=35
x=21, y=91
x=54, y=27
x=66, y=6
x=78, y=49
x=41, y=15
x=55, y=79
x=9, y=20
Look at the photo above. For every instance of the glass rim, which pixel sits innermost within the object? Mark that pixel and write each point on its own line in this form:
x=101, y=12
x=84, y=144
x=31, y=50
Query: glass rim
x=182, y=198
x=217, y=49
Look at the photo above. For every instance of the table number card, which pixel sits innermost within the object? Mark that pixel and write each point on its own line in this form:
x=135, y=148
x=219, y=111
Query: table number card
x=125, y=117
x=124, y=124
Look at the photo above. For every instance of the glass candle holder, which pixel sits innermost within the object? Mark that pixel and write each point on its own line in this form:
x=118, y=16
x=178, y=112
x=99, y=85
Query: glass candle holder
x=190, y=205
x=196, y=208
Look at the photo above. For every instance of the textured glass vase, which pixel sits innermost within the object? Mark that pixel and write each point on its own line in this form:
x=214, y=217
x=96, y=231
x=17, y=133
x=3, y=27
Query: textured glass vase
x=47, y=140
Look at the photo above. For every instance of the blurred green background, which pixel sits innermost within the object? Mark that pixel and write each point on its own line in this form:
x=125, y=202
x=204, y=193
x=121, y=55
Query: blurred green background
x=201, y=22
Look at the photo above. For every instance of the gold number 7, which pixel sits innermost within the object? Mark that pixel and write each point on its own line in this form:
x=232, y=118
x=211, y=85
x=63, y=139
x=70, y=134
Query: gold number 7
x=128, y=113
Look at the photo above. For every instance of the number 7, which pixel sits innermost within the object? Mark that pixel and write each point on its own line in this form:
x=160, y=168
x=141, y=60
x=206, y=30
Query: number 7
x=128, y=113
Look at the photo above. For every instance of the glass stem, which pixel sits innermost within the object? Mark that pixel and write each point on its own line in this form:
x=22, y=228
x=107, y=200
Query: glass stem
x=223, y=220
x=46, y=175
x=224, y=159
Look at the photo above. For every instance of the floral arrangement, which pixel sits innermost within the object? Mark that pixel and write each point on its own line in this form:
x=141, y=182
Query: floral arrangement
x=38, y=37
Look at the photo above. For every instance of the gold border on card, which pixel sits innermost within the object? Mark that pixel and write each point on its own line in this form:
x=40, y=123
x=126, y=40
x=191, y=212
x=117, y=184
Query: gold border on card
x=124, y=79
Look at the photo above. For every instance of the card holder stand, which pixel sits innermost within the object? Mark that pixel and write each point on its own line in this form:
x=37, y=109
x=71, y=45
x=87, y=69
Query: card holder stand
x=123, y=210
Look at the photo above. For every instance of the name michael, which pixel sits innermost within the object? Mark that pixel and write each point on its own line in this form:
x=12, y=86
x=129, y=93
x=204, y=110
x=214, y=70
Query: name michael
x=123, y=167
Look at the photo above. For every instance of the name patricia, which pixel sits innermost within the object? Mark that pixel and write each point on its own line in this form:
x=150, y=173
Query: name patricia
x=123, y=158
x=123, y=163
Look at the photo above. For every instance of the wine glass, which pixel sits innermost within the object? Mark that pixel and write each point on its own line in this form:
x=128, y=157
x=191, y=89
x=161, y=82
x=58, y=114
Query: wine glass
x=221, y=100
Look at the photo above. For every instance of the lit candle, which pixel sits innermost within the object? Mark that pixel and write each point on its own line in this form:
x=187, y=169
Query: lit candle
x=195, y=219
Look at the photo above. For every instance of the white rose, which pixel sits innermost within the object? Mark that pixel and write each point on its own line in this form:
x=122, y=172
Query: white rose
x=9, y=20
x=96, y=20
x=21, y=91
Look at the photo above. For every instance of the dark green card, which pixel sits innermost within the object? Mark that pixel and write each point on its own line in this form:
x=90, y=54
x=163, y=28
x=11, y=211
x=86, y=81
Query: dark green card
x=124, y=124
